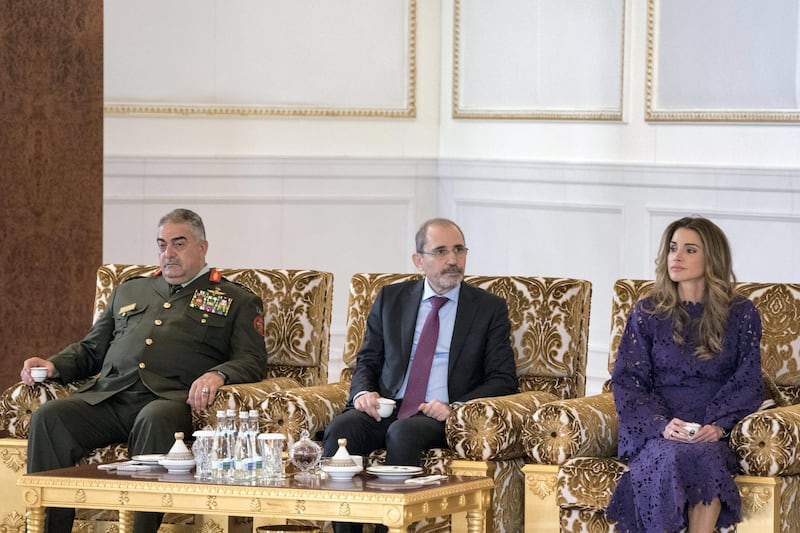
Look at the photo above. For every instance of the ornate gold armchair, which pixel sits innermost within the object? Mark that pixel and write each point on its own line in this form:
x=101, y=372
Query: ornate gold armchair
x=549, y=328
x=574, y=442
x=297, y=305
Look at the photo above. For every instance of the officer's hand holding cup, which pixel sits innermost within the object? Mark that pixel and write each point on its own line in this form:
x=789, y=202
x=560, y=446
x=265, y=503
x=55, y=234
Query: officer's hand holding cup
x=36, y=370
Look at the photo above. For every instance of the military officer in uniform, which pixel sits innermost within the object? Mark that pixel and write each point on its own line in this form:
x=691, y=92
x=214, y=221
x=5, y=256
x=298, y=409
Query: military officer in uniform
x=162, y=348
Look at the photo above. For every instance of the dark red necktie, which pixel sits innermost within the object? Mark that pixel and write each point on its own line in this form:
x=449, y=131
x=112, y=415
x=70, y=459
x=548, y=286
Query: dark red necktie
x=423, y=358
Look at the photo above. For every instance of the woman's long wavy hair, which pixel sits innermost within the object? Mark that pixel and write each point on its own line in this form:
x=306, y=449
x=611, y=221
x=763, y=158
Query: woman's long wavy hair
x=719, y=287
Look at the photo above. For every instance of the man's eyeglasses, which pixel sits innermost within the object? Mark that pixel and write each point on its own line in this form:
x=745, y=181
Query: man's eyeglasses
x=443, y=252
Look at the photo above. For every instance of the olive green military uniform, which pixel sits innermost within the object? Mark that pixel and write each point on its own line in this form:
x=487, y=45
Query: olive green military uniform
x=146, y=349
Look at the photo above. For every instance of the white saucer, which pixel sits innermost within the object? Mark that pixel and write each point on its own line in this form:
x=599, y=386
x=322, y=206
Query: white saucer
x=340, y=473
x=177, y=466
x=394, y=471
x=148, y=459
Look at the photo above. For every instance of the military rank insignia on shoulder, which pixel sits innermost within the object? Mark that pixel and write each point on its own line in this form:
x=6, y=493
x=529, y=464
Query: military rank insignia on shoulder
x=211, y=301
x=216, y=276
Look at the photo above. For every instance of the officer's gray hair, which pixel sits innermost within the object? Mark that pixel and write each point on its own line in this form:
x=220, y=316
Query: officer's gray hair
x=185, y=216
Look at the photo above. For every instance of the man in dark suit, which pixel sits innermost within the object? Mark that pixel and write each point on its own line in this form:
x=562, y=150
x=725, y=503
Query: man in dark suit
x=162, y=348
x=472, y=357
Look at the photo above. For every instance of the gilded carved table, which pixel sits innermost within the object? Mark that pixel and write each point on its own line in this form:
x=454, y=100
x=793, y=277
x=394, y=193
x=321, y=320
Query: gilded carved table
x=362, y=499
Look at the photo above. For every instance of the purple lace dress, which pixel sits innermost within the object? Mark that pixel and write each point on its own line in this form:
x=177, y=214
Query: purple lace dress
x=654, y=380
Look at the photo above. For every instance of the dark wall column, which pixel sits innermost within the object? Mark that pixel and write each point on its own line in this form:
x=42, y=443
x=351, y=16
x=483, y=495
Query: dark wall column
x=51, y=174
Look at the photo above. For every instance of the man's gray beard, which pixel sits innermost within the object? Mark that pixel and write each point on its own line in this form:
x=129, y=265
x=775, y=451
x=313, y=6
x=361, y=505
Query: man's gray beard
x=445, y=280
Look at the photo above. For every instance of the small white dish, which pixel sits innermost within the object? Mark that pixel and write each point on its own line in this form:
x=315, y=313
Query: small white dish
x=394, y=471
x=149, y=458
x=340, y=473
x=177, y=466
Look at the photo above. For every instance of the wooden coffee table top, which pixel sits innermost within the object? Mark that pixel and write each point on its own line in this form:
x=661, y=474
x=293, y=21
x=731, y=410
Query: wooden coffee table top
x=364, y=498
x=90, y=475
x=360, y=482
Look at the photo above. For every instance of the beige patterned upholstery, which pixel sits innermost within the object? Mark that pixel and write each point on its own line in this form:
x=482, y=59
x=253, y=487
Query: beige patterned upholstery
x=574, y=442
x=549, y=327
x=297, y=305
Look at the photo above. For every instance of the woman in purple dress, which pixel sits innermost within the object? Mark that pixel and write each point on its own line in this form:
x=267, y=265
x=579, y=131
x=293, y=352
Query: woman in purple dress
x=688, y=369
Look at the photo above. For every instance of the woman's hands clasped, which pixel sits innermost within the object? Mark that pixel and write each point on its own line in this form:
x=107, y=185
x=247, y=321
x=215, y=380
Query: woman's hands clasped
x=682, y=431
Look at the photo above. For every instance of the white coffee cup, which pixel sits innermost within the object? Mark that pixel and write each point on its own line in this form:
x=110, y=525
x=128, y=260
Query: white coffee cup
x=39, y=373
x=385, y=407
x=692, y=428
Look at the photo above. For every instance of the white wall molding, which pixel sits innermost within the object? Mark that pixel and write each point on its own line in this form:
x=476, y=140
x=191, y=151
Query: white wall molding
x=627, y=175
x=541, y=206
x=758, y=216
x=737, y=178
x=268, y=166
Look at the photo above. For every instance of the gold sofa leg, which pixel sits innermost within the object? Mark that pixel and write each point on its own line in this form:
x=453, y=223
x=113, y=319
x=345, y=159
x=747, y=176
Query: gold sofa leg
x=541, y=510
x=761, y=502
x=458, y=467
x=13, y=456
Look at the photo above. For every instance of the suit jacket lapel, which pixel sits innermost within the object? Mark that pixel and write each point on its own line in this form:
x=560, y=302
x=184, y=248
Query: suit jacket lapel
x=464, y=316
x=409, y=319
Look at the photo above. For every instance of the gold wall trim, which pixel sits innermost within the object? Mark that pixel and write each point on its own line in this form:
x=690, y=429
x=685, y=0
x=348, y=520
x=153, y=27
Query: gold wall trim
x=409, y=111
x=534, y=114
x=652, y=114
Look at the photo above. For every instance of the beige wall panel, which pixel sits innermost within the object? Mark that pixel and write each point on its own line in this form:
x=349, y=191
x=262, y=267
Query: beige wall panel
x=261, y=57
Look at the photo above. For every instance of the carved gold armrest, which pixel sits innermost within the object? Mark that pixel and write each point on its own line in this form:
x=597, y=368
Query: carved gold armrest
x=768, y=442
x=310, y=408
x=19, y=401
x=241, y=397
x=579, y=427
x=486, y=429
